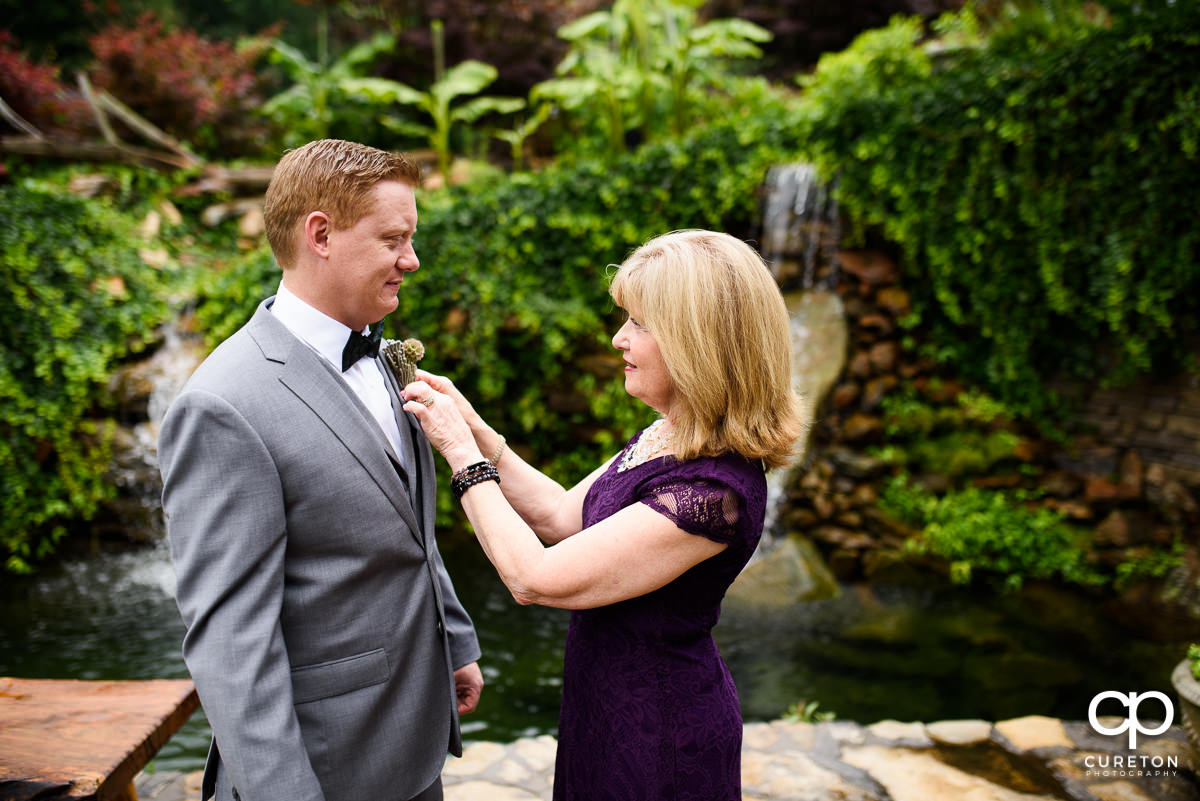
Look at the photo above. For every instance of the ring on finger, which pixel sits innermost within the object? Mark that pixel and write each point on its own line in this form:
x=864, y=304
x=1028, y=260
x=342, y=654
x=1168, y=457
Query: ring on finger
x=428, y=401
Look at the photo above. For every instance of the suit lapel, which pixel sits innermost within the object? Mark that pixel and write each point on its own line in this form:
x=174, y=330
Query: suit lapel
x=419, y=459
x=402, y=422
x=422, y=482
x=316, y=384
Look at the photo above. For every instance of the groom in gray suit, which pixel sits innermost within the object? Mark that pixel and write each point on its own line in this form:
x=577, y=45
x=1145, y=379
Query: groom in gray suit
x=329, y=650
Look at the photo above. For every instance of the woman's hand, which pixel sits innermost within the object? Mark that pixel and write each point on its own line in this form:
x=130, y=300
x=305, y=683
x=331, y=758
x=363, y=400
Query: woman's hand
x=445, y=386
x=487, y=439
x=443, y=423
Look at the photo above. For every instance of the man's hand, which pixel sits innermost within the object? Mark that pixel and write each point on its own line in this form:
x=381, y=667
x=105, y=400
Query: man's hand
x=468, y=684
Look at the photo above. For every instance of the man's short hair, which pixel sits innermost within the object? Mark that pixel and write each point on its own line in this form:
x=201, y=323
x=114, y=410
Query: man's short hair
x=329, y=175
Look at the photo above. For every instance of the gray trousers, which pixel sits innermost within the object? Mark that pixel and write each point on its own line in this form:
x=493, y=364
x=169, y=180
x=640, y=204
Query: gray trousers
x=431, y=793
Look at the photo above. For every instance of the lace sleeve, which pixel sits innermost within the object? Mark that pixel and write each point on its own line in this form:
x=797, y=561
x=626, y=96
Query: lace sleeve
x=707, y=508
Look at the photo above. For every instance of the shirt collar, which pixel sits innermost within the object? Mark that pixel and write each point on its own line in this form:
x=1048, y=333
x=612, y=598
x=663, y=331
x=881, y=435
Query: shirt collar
x=321, y=332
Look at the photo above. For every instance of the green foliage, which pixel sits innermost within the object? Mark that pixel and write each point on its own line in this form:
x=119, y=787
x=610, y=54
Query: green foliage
x=981, y=531
x=1034, y=180
x=516, y=36
x=516, y=136
x=230, y=297
x=130, y=190
x=76, y=299
x=467, y=78
x=804, y=30
x=880, y=64
x=511, y=299
x=953, y=441
x=806, y=712
x=991, y=532
x=326, y=99
x=908, y=416
x=962, y=453
x=644, y=65
x=1193, y=653
x=1153, y=564
x=598, y=81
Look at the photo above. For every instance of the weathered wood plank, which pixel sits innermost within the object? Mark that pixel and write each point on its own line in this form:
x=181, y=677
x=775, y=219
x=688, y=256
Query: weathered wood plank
x=88, y=739
x=90, y=151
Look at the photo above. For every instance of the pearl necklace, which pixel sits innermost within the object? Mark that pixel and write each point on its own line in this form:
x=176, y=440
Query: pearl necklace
x=654, y=442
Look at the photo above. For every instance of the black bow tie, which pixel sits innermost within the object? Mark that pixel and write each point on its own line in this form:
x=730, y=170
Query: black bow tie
x=358, y=346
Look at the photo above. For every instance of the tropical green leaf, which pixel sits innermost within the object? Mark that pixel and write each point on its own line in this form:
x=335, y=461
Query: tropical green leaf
x=585, y=26
x=407, y=128
x=382, y=90
x=733, y=29
x=292, y=59
x=465, y=78
x=474, y=109
x=365, y=53
x=296, y=98
x=570, y=92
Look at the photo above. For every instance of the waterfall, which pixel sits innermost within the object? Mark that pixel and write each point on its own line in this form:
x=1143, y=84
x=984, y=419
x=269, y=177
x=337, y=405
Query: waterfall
x=801, y=231
x=801, y=227
x=145, y=390
x=819, y=340
x=170, y=368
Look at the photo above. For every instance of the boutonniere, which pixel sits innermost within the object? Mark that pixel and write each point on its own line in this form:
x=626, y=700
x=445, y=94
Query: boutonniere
x=402, y=357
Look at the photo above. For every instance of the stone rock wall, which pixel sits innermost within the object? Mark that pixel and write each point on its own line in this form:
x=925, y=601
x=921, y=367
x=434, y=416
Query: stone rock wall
x=1130, y=469
x=1160, y=422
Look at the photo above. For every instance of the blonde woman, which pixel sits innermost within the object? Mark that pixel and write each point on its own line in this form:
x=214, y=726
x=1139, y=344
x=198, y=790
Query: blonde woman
x=644, y=548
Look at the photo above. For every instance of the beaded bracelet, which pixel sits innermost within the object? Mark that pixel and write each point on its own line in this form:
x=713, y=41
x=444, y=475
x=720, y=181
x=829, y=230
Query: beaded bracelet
x=495, y=459
x=471, y=475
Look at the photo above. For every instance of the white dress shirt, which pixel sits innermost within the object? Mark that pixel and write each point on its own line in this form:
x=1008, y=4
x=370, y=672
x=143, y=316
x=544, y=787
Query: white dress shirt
x=328, y=337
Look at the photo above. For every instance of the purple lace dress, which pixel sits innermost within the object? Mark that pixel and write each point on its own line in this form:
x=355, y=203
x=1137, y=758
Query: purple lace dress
x=649, y=710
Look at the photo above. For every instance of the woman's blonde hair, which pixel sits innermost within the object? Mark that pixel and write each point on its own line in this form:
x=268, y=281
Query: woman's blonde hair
x=723, y=330
x=329, y=175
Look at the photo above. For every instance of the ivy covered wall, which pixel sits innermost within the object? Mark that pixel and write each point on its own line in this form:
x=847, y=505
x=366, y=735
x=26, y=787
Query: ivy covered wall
x=1040, y=182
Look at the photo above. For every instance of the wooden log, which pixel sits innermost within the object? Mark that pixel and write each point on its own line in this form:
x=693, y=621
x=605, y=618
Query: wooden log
x=147, y=129
x=89, y=95
x=237, y=181
x=91, y=151
x=18, y=122
x=102, y=101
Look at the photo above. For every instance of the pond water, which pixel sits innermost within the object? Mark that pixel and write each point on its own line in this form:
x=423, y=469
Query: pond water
x=922, y=651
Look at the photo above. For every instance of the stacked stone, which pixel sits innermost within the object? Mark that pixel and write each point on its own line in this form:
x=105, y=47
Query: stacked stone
x=1139, y=454
x=835, y=499
x=1131, y=471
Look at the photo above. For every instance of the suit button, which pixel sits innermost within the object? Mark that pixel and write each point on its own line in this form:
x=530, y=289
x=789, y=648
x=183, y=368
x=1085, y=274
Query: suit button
x=440, y=628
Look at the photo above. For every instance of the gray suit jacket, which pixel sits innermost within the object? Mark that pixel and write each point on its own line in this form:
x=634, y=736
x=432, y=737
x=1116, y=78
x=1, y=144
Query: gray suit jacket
x=322, y=627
